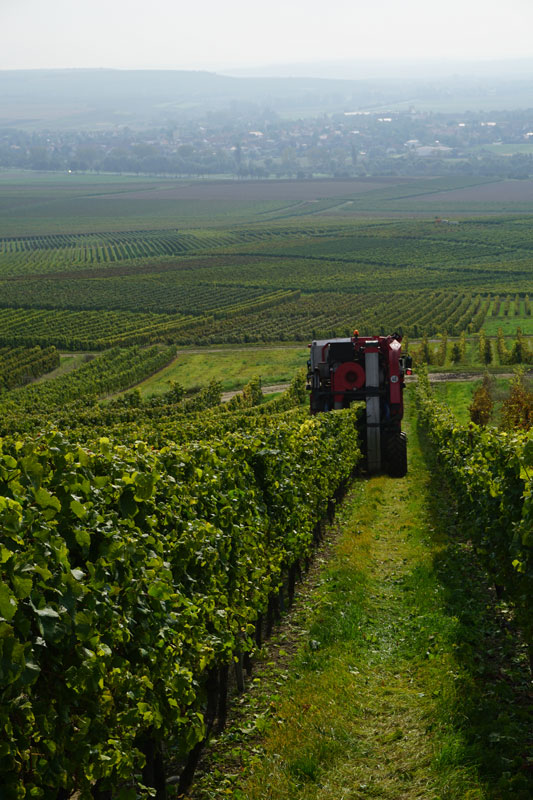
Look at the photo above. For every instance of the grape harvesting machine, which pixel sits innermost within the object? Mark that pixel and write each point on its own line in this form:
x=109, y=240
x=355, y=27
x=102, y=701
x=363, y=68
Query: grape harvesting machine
x=369, y=369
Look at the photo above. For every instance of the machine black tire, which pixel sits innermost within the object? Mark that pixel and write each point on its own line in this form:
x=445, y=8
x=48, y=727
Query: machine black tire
x=396, y=455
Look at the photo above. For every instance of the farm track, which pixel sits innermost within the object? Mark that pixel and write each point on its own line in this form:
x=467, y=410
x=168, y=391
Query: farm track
x=278, y=387
x=442, y=377
x=434, y=377
x=372, y=688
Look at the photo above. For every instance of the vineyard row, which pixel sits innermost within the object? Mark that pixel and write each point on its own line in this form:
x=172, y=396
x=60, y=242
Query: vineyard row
x=490, y=480
x=256, y=316
x=132, y=578
x=112, y=371
x=21, y=365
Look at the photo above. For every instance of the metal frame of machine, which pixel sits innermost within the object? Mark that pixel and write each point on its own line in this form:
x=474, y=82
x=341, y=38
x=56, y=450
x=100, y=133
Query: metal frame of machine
x=370, y=369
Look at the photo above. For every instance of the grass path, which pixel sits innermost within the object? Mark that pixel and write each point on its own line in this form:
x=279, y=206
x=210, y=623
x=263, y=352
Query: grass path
x=408, y=681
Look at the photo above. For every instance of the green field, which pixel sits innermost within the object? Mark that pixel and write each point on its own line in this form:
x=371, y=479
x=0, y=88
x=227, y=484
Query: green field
x=509, y=319
x=233, y=368
x=458, y=396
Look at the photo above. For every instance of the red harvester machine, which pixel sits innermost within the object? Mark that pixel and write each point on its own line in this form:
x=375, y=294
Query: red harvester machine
x=369, y=368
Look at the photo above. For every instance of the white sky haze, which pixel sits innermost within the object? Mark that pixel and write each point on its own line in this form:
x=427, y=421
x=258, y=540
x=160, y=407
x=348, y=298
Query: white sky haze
x=224, y=34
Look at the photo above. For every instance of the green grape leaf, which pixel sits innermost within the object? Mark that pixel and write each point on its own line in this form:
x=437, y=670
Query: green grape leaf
x=78, y=509
x=45, y=499
x=22, y=586
x=8, y=603
x=127, y=504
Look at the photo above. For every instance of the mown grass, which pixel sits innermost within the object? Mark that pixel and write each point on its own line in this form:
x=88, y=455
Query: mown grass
x=508, y=324
x=458, y=396
x=409, y=680
x=233, y=368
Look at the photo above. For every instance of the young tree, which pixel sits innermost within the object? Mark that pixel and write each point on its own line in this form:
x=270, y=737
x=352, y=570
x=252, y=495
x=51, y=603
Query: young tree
x=487, y=352
x=462, y=345
x=481, y=344
x=482, y=403
x=503, y=353
x=517, y=355
x=425, y=353
x=517, y=408
x=443, y=350
x=456, y=353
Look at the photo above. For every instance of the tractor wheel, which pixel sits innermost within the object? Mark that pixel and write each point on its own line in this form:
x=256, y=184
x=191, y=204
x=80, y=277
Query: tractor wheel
x=396, y=455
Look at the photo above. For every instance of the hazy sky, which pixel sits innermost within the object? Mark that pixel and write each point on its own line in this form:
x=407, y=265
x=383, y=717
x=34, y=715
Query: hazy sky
x=218, y=34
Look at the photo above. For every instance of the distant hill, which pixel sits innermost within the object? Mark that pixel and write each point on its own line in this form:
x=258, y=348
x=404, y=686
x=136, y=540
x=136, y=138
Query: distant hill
x=406, y=69
x=90, y=98
x=86, y=97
